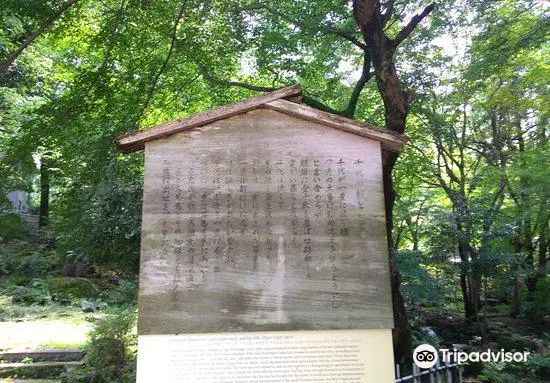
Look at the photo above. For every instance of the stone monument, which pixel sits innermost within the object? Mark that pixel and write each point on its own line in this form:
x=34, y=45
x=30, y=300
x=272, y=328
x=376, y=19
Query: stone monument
x=263, y=254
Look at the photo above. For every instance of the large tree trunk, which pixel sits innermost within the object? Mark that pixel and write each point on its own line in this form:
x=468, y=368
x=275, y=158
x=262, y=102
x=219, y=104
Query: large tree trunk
x=402, y=343
x=381, y=49
x=396, y=106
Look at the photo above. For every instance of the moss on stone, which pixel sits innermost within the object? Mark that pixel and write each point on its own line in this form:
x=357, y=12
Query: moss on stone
x=67, y=288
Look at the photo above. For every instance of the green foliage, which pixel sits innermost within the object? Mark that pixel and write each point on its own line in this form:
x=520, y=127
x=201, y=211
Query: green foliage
x=34, y=293
x=536, y=309
x=102, y=224
x=535, y=370
x=68, y=288
x=21, y=261
x=514, y=341
x=537, y=366
x=473, y=185
x=12, y=227
x=493, y=373
x=422, y=337
x=419, y=285
x=111, y=354
x=6, y=307
x=124, y=295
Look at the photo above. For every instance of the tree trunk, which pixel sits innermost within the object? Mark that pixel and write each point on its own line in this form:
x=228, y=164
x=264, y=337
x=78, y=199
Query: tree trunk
x=516, y=282
x=467, y=284
x=371, y=21
x=381, y=49
x=516, y=292
x=402, y=344
x=465, y=291
x=476, y=286
x=44, y=191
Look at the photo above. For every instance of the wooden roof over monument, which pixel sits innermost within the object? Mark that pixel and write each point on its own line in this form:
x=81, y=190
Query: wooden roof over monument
x=285, y=100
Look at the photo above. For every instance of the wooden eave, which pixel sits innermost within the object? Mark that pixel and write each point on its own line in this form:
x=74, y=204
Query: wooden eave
x=276, y=100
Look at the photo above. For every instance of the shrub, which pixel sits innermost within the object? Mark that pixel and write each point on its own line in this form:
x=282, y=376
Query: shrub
x=494, y=373
x=12, y=227
x=6, y=307
x=66, y=288
x=537, y=308
x=33, y=265
x=537, y=366
x=513, y=341
x=22, y=262
x=111, y=353
x=125, y=295
x=535, y=370
x=418, y=284
x=30, y=295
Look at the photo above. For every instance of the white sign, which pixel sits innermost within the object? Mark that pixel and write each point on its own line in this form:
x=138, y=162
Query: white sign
x=336, y=356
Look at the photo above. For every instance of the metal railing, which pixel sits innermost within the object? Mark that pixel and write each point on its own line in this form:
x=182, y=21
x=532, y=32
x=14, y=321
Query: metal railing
x=446, y=373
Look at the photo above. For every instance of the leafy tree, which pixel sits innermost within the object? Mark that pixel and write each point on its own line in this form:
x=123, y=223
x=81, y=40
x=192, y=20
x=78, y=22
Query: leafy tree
x=469, y=140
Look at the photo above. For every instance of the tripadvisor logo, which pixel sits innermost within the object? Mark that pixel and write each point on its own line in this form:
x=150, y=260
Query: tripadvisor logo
x=426, y=356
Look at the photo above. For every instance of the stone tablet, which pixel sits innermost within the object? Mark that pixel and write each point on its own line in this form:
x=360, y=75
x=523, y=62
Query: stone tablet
x=260, y=222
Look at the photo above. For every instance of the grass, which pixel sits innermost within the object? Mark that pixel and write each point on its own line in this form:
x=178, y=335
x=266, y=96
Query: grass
x=44, y=326
x=51, y=325
x=60, y=330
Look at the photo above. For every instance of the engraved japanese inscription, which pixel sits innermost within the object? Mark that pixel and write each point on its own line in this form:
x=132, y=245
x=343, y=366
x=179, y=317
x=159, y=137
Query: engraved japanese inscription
x=263, y=222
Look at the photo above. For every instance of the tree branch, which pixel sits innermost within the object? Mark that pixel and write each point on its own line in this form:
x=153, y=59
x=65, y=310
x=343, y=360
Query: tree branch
x=407, y=29
x=319, y=105
x=494, y=207
x=305, y=99
x=366, y=75
x=397, y=17
x=452, y=176
x=165, y=63
x=243, y=85
x=367, y=16
x=387, y=15
x=11, y=58
x=113, y=34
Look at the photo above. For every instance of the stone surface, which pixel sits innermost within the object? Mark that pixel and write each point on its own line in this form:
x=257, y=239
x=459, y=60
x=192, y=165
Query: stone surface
x=74, y=270
x=263, y=222
x=87, y=307
x=53, y=354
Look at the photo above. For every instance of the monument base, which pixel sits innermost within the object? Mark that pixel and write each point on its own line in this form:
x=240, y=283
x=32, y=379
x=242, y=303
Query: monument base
x=335, y=356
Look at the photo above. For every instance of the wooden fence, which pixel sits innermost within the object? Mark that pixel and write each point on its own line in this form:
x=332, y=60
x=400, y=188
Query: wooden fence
x=446, y=373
